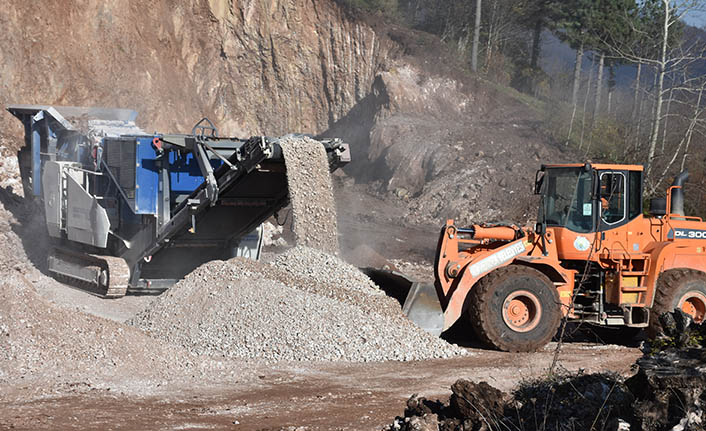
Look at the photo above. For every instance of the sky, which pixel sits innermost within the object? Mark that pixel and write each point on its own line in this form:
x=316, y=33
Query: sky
x=696, y=18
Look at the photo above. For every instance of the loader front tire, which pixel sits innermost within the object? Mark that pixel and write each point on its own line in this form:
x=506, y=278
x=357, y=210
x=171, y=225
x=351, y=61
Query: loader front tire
x=683, y=289
x=515, y=309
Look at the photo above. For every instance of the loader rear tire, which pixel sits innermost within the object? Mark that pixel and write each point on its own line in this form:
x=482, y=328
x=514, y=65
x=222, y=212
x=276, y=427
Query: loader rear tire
x=515, y=309
x=683, y=289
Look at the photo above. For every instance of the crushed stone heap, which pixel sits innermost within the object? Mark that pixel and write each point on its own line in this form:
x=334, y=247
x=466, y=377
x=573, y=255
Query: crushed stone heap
x=311, y=193
x=50, y=344
x=303, y=306
x=41, y=341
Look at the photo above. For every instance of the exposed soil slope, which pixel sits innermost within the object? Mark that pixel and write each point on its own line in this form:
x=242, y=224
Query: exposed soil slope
x=271, y=66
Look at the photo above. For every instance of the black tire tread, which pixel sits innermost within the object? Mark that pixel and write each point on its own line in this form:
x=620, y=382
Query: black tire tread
x=667, y=285
x=480, y=295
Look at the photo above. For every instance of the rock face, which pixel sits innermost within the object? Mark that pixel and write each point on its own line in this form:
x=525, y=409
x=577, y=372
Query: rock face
x=266, y=66
x=447, y=147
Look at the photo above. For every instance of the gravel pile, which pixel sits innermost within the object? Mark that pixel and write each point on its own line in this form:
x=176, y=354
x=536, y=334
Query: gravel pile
x=41, y=341
x=323, y=269
x=9, y=169
x=53, y=345
x=303, y=306
x=311, y=193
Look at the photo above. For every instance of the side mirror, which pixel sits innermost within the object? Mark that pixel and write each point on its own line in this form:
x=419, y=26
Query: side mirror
x=595, y=185
x=538, y=181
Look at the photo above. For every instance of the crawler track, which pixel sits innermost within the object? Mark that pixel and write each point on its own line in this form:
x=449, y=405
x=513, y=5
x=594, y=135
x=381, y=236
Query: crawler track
x=105, y=276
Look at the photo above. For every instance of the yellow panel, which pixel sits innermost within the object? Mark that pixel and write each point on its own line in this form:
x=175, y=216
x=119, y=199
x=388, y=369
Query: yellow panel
x=630, y=282
x=630, y=298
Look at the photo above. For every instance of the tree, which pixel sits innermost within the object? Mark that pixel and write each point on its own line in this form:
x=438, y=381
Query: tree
x=609, y=20
x=476, y=37
x=571, y=26
x=538, y=15
x=669, y=13
x=583, y=24
x=656, y=47
x=645, y=42
x=572, y=19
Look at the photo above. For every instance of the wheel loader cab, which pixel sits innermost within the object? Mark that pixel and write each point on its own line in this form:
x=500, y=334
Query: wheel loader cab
x=567, y=199
x=580, y=200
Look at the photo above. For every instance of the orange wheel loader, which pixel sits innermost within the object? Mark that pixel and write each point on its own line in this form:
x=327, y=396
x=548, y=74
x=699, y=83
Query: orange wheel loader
x=592, y=257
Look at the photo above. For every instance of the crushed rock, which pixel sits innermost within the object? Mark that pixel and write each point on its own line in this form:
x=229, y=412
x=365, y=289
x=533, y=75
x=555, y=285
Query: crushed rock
x=303, y=306
x=311, y=193
x=272, y=235
x=420, y=271
x=51, y=346
x=9, y=168
x=43, y=342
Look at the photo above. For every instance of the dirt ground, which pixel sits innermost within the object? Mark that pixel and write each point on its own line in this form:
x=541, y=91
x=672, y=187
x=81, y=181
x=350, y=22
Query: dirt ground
x=312, y=396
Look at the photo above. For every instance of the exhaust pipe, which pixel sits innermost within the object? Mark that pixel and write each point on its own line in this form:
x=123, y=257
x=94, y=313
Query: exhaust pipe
x=677, y=206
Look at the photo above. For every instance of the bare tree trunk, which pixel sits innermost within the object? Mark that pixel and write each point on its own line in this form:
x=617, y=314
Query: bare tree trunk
x=610, y=99
x=585, y=101
x=640, y=110
x=575, y=90
x=463, y=41
x=448, y=29
x=577, y=76
x=476, y=38
x=599, y=85
x=666, y=115
x=596, y=107
x=492, y=35
x=660, y=88
x=536, y=40
x=692, y=125
x=636, y=94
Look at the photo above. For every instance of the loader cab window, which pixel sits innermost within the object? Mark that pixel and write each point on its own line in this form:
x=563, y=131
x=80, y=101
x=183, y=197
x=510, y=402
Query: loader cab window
x=567, y=199
x=635, y=194
x=612, y=197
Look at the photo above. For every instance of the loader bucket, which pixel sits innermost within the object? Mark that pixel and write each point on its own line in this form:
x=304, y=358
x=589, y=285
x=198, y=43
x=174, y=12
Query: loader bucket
x=419, y=301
